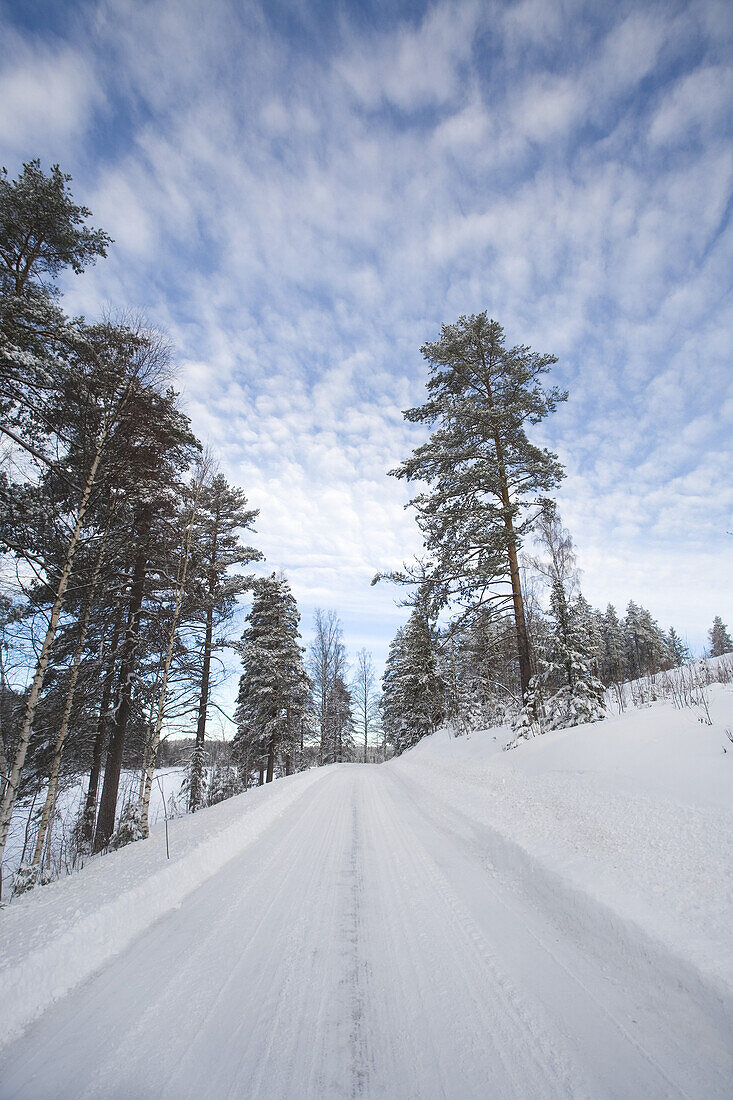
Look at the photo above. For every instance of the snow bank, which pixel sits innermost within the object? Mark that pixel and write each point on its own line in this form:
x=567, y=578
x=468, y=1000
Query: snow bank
x=55, y=937
x=68, y=808
x=634, y=813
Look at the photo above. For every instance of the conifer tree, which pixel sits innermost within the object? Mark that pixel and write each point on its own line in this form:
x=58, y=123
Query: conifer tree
x=646, y=645
x=391, y=704
x=412, y=688
x=487, y=482
x=679, y=651
x=274, y=687
x=218, y=553
x=65, y=387
x=720, y=640
x=566, y=691
x=163, y=448
x=614, y=658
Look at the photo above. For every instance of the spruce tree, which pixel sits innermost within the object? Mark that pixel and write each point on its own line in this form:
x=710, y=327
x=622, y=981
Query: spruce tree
x=487, y=482
x=566, y=691
x=614, y=658
x=391, y=705
x=679, y=651
x=646, y=644
x=720, y=640
x=412, y=687
x=274, y=687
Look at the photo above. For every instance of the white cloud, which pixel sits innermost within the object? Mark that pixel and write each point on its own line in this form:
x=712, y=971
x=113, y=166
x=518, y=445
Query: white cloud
x=48, y=95
x=416, y=66
x=301, y=223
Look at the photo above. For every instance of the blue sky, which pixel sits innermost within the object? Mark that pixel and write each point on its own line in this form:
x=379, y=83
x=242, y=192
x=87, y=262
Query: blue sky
x=301, y=193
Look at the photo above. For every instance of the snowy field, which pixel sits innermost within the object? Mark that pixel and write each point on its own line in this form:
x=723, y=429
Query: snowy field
x=460, y=922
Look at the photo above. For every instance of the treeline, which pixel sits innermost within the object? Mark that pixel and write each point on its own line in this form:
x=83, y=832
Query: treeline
x=123, y=543
x=495, y=635
x=125, y=562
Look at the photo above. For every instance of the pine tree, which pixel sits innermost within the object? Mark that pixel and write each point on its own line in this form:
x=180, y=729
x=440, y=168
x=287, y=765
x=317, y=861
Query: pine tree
x=64, y=394
x=218, y=552
x=487, y=481
x=163, y=448
x=720, y=640
x=274, y=688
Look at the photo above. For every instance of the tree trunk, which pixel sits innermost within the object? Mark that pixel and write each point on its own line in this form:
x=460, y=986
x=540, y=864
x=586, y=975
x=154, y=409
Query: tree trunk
x=205, y=677
x=90, y=805
x=113, y=767
x=49, y=806
x=525, y=665
x=271, y=760
x=180, y=588
x=13, y=780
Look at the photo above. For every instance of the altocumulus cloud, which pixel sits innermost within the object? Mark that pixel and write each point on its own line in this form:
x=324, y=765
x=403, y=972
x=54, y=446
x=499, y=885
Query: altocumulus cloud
x=300, y=194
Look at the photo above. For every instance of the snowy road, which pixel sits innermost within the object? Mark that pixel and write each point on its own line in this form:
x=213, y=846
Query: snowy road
x=369, y=945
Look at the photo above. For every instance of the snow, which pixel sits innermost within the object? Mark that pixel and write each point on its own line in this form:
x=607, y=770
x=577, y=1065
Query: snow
x=462, y=922
x=58, y=935
x=69, y=805
x=635, y=811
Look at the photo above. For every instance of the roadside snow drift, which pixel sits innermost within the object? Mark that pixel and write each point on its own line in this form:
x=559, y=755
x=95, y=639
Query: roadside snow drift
x=635, y=812
x=56, y=936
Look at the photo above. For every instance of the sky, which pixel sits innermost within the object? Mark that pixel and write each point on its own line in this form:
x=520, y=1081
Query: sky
x=300, y=193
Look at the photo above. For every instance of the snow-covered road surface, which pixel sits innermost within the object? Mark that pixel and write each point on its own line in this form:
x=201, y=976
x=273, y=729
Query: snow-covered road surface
x=369, y=944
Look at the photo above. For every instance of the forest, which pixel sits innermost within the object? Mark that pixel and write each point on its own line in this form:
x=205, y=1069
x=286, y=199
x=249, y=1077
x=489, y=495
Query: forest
x=129, y=562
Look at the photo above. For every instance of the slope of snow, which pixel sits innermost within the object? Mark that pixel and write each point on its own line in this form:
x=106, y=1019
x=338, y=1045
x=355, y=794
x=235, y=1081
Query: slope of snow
x=57, y=935
x=635, y=811
x=460, y=922
x=70, y=802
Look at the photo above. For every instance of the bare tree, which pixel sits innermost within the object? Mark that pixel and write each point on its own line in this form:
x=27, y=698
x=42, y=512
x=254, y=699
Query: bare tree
x=327, y=665
x=365, y=697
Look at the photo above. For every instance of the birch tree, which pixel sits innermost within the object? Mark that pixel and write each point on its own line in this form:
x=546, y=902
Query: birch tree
x=365, y=698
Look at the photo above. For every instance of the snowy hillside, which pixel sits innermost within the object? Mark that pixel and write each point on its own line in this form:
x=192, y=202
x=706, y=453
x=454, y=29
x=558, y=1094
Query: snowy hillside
x=551, y=921
x=635, y=811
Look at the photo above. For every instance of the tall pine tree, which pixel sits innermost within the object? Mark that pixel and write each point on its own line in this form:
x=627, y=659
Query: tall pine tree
x=488, y=483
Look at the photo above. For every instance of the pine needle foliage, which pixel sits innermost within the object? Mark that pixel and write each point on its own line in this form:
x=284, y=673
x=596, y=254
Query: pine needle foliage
x=487, y=481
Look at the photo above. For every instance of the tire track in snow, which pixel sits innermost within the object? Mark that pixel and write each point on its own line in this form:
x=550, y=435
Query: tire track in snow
x=363, y=948
x=359, y=968
x=497, y=1045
